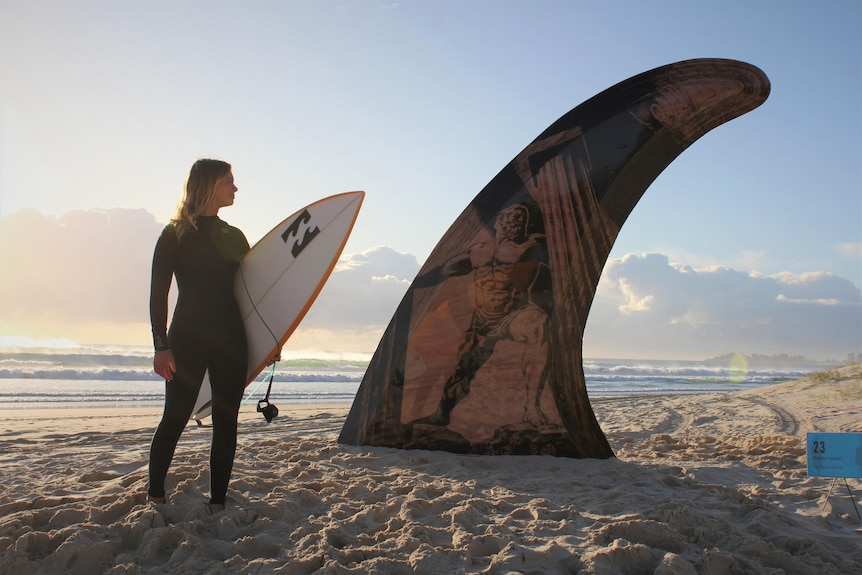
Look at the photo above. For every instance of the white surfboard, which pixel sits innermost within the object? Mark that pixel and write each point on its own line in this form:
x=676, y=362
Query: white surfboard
x=280, y=277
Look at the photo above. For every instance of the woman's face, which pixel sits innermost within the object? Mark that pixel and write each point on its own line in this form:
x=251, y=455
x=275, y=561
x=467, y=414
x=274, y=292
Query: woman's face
x=225, y=189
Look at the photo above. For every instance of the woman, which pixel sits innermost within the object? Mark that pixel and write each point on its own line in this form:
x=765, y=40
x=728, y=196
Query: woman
x=206, y=331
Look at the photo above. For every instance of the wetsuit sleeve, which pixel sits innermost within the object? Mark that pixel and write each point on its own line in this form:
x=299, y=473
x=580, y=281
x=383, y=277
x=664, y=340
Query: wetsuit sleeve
x=164, y=263
x=244, y=247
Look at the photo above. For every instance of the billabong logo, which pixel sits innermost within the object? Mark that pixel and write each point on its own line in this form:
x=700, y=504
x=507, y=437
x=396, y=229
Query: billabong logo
x=300, y=224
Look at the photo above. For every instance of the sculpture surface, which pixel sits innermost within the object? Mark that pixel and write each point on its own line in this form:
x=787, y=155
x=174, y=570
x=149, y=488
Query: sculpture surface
x=483, y=355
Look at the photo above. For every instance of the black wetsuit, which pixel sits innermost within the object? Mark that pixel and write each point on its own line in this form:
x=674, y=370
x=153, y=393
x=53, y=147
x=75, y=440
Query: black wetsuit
x=206, y=333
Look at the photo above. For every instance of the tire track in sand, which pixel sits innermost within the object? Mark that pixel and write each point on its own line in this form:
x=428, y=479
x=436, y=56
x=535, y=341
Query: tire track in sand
x=787, y=422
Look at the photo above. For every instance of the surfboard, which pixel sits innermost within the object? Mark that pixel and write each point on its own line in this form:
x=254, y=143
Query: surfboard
x=484, y=352
x=281, y=276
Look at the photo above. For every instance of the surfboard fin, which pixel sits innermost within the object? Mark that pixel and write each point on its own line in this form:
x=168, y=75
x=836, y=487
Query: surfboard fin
x=496, y=316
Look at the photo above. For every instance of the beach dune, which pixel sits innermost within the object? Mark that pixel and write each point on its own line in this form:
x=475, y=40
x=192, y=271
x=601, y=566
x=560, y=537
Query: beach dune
x=702, y=484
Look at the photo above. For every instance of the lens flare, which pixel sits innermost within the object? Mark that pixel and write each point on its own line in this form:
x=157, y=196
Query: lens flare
x=737, y=370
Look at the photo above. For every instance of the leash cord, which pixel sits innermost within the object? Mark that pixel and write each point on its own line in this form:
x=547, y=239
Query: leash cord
x=266, y=325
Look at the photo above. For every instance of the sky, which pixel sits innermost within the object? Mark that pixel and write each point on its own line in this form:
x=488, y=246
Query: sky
x=749, y=242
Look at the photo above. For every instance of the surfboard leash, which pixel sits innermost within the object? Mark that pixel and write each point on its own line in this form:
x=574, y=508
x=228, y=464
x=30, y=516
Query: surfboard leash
x=268, y=410
x=253, y=391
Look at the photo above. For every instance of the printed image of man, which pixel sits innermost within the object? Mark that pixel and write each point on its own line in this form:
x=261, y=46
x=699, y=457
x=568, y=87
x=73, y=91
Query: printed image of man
x=512, y=298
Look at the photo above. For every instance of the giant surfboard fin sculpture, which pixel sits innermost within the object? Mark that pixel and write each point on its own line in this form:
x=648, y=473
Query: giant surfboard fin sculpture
x=484, y=353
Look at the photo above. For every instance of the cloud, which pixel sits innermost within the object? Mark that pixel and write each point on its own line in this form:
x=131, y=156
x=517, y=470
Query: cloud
x=85, y=276
x=850, y=250
x=84, y=267
x=647, y=305
x=357, y=302
x=363, y=290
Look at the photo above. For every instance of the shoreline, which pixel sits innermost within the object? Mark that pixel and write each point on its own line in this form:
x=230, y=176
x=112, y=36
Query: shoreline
x=58, y=421
x=711, y=483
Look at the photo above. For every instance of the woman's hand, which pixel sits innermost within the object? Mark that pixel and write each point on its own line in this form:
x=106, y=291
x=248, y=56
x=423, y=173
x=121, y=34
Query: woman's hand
x=164, y=365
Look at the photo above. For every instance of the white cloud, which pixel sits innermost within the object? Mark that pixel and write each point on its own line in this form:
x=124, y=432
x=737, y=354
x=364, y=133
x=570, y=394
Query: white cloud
x=84, y=276
x=816, y=286
x=363, y=290
x=677, y=311
x=357, y=302
x=633, y=303
x=84, y=267
x=850, y=250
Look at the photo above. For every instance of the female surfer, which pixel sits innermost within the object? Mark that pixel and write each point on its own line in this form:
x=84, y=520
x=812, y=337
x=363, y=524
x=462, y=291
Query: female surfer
x=206, y=332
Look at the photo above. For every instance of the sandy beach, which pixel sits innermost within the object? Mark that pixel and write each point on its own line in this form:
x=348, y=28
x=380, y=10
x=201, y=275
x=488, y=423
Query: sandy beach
x=706, y=484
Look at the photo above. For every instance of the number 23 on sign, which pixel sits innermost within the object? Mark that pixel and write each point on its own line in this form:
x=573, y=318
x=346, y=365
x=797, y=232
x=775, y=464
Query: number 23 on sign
x=835, y=454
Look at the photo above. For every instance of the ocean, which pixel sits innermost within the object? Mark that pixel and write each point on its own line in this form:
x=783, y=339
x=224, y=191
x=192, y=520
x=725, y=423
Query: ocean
x=115, y=376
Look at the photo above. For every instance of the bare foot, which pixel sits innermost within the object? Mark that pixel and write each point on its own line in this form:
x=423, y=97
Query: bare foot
x=216, y=508
x=157, y=500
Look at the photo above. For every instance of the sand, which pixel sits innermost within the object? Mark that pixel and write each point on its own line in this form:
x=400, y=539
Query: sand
x=712, y=483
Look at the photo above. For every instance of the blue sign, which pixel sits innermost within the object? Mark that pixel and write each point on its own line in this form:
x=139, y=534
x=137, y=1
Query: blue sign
x=835, y=454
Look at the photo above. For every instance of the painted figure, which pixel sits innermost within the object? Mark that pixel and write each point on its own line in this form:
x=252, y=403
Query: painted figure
x=511, y=280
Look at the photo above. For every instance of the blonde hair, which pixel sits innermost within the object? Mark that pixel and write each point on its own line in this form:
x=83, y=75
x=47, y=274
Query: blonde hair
x=198, y=193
